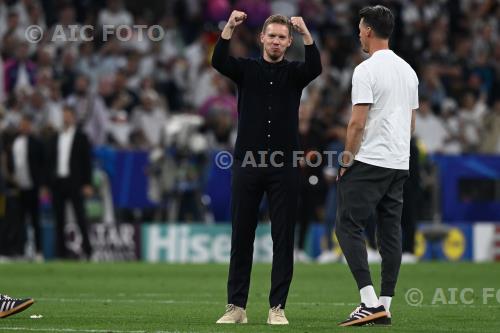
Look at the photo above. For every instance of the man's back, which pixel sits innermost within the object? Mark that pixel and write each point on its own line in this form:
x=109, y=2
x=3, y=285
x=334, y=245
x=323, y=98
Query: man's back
x=390, y=85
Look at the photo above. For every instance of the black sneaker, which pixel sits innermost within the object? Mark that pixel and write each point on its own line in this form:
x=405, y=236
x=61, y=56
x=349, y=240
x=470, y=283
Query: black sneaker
x=363, y=315
x=10, y=306
x=382, y=321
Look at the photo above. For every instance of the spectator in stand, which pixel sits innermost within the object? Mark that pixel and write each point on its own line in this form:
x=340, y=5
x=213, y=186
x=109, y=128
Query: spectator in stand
x=471, y=116
x=19, y=73
x=115, y=14
x=490, y=142
x=11, y=31
x=91, y=112
x=150, y=118
x=122, y=97
x=25, y=163
x=69, y=176
x=451, y=123
x=429, y=128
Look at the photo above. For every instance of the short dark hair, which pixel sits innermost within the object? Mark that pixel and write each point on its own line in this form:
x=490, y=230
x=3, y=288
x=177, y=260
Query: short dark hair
x=278, y=19
x=380, y=19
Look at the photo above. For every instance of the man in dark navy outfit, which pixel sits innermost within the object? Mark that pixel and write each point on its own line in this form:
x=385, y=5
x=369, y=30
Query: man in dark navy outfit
x=269, y=91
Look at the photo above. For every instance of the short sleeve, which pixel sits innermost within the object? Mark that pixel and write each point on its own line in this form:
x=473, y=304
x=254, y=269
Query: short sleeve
x=362, y=92
x=414, y=95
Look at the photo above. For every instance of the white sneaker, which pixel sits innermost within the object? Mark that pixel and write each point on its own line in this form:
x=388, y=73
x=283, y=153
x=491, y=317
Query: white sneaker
x=301, y=256
x=233, y=315
x=327, y=257
x=373, y=256
x=408, y=258
x=277, y=316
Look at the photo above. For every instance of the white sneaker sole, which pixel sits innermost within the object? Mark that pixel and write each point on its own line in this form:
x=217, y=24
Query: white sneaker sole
x=244, y=321
x=280, y=323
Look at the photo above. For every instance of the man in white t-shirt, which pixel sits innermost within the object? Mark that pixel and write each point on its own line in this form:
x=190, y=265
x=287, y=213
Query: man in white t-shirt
x=384, y=98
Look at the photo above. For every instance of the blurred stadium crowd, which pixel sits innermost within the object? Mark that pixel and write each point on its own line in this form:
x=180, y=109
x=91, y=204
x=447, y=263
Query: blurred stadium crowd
x=164, y=96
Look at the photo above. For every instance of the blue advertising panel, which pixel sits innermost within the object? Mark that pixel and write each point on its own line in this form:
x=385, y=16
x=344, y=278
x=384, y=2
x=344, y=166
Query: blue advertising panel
x=469, y=187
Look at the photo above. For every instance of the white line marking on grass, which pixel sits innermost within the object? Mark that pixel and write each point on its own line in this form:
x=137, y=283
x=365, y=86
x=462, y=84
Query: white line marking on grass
x=89, y=295
x=166, y=301
x=110, y=300
x=80, y=330
x=324, y=303
x=171, y=294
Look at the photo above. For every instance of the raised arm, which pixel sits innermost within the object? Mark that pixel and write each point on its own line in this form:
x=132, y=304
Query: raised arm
x=221, y=60
x=235, y=20
x=311, y=67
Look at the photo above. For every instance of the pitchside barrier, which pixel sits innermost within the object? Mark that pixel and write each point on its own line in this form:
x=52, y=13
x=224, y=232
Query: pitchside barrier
x=202, y=243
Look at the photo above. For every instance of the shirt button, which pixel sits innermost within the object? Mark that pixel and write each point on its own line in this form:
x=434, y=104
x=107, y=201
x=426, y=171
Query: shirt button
x=271, y=82
x=269, y=107
x=269, y=135
x=269, y=121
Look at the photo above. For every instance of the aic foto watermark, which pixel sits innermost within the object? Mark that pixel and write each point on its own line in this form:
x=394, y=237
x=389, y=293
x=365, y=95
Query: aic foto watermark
x=453, y=296
x=86, y=33
x=277, y=159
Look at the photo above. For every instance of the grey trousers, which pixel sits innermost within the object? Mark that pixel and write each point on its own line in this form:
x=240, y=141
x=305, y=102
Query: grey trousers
x=362, y=190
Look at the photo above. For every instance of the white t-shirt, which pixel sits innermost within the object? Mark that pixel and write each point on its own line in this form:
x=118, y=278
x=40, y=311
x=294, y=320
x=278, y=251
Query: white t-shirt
x=21, y=171
x=64, y=145
x=390, y=85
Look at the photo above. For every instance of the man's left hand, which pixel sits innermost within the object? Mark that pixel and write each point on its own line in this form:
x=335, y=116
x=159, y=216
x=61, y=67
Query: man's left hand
x=299, y=25
x=341, y=173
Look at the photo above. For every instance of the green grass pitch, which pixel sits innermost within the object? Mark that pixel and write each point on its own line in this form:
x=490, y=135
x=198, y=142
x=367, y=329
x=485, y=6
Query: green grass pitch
x=139, y=297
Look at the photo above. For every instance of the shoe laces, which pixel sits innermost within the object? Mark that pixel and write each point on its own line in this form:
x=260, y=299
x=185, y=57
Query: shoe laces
x=230, y=308
x=278, y=311
x=355, y=311
x=5, y=297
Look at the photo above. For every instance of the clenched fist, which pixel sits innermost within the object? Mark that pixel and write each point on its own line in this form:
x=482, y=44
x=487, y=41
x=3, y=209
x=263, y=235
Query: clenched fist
x=236, y=18
x=299, y=25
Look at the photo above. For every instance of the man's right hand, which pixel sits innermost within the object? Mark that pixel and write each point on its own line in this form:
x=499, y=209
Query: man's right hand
x=236, y=19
